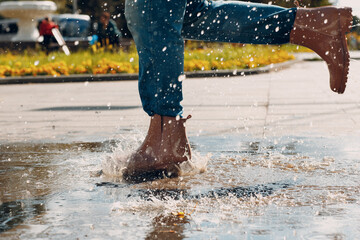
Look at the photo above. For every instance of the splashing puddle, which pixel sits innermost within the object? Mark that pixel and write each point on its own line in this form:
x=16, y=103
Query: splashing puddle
x=289, y=187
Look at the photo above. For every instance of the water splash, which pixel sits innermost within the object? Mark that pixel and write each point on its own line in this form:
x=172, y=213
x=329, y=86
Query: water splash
x=115, y=163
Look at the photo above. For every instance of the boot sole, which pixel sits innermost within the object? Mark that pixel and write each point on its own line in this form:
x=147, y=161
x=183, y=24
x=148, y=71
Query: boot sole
x=345, y=15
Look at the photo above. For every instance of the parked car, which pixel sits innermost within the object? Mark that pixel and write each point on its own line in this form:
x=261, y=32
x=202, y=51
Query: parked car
x=75, y=28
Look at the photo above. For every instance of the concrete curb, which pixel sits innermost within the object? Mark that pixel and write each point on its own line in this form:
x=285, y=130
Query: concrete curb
x=130, y=77
x=311, y=56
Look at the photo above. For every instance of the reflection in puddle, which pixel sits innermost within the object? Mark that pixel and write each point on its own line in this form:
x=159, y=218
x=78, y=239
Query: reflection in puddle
x=15, y=213
x=168, y=227
x=28, y=170
x=294, y=188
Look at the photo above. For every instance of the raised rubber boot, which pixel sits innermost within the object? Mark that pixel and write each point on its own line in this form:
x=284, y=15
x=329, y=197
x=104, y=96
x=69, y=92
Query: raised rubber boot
x=323, y=30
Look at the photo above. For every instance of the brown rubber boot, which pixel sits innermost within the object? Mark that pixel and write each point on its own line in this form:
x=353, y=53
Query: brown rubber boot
x=164, y=148
x=323, y=31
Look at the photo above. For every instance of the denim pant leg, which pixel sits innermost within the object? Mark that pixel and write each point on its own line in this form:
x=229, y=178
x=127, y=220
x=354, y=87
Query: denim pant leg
x=238, y=22
x=156, y=28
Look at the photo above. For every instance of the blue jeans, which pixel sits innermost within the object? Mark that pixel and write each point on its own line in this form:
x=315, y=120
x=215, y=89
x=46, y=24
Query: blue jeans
x=159, y=28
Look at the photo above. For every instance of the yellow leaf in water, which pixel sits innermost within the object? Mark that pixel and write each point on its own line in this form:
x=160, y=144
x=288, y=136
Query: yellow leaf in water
x=179, y=214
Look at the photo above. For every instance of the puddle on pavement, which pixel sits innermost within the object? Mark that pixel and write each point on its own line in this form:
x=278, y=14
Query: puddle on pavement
x=288, y=187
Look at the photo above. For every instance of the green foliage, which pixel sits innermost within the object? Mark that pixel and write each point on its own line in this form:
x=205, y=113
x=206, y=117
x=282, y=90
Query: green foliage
x=356, y=21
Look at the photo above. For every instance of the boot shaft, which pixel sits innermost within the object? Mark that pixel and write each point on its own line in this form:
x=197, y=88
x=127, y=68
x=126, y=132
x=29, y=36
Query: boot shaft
x=323, y=31
x=316, y=24
x=174, y=137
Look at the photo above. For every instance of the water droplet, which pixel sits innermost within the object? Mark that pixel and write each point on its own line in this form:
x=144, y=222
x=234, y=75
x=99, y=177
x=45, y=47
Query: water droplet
x=277, y=29
x=36, y=62
x=325, y=21
x=181, y=78
x=164, y=49
x=131, y=59
x=327, y=53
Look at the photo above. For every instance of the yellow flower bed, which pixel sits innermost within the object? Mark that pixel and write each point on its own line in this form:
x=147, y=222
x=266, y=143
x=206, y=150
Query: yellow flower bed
x=217, y=56
x=235, y=56
x=105, y=66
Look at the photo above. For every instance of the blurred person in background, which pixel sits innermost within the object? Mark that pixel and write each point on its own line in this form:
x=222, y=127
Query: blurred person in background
x=107, y=31
x=45, y=29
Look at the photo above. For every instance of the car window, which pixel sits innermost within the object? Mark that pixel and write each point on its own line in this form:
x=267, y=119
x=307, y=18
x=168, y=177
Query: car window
x=8, y=28
x=74, y=27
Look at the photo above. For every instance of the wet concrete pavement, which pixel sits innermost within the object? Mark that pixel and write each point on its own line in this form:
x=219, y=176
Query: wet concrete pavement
x=292, y=101
x=282, y=151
